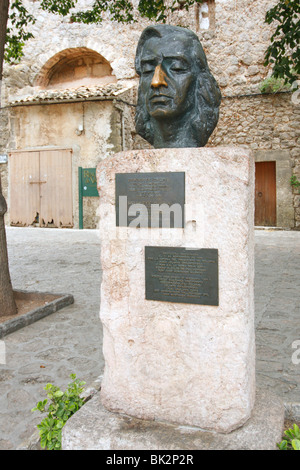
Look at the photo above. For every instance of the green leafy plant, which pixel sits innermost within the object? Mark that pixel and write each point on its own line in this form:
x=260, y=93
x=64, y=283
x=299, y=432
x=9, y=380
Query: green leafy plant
x=292, y=441
x=274, y=85
x=284, y=51
x=59, y=406
x=17, y=33
x=295, y=182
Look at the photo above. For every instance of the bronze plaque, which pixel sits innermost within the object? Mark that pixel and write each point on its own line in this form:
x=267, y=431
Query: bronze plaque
x=150, y=199
x=182, y=275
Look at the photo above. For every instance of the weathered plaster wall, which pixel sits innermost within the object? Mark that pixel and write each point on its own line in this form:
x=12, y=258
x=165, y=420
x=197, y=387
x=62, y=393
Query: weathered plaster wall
x=55, y=125
x=39, y=126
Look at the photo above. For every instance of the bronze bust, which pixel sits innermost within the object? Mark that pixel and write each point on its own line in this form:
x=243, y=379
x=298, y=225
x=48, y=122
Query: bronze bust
x=178, y=98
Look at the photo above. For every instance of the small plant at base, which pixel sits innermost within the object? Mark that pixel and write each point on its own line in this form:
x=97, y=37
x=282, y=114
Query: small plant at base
x=62, y=405
x=293, y=439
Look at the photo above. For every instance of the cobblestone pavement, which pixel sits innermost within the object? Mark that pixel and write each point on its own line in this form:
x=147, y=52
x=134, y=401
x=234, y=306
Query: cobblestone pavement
x=70, y=341
x=277, y=313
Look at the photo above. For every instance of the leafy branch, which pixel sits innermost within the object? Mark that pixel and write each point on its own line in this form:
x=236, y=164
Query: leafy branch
x=284, y=51
x=16, y=33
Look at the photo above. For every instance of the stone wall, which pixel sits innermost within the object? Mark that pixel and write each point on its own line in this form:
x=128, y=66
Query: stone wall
x=4, y=143
x=263, y=122
x=234, y=41
x=270, y=126
x=234, y=37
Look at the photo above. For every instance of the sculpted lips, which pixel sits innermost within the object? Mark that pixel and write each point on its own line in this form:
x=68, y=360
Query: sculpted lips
x=160, y=98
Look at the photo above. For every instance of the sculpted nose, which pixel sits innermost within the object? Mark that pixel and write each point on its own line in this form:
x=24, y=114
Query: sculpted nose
x=159, y=77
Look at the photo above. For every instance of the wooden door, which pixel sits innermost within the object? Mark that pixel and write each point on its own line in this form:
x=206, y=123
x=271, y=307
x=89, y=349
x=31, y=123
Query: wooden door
x=41, y=188
x=24, y=188
x=265, y=194
x=56, y=188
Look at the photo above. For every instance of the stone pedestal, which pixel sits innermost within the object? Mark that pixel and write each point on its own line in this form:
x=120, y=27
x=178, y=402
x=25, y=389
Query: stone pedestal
x=181, y=363
x=95, y=428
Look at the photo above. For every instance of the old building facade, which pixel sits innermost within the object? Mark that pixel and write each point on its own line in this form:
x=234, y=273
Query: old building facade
x=69, y=104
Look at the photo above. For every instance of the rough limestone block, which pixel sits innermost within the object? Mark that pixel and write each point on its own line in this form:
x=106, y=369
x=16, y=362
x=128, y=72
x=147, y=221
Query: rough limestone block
x=181, y=363
x=95, y=428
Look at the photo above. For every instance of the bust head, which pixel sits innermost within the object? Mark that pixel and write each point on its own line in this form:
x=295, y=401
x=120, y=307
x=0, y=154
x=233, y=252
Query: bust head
x=178, y=98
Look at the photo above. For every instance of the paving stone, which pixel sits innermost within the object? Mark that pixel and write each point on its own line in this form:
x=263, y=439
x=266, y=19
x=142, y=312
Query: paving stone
x=6, y=445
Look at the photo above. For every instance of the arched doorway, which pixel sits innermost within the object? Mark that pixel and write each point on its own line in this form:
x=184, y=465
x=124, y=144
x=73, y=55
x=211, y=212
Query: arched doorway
x=72, y=68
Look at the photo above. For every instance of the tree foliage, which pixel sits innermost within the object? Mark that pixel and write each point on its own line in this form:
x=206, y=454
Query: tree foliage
x=17, y=33
x=121, y=11
x=284, y=51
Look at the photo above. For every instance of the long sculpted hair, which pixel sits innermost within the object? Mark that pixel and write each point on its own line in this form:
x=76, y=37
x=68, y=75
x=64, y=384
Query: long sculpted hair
x=205, y=114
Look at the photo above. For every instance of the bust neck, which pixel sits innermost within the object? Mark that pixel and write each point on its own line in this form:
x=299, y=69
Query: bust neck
x=176, y=133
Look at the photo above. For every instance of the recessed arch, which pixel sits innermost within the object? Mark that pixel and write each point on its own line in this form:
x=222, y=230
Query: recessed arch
x=73, y=67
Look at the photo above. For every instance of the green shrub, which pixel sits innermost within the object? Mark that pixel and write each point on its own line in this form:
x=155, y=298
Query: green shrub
x=292, y=441
x=59, y=406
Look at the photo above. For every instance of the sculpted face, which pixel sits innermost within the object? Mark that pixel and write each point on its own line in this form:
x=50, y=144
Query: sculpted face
x=178, y=98
x=167, y=77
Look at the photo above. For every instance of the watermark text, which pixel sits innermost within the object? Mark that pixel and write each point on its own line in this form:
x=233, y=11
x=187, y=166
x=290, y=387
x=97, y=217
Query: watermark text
x=296, y=354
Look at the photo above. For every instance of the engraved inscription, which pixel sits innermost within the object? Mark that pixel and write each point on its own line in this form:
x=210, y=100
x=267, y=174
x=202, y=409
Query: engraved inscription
x=152, y=199
x=182, y=275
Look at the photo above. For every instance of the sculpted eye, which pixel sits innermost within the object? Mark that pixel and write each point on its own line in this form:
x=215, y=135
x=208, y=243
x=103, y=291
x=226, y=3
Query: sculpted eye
x=147, y=69
x=177, y=65
x=178, y=68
